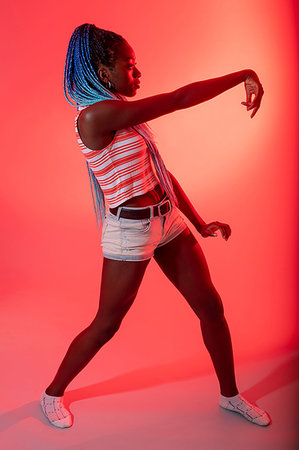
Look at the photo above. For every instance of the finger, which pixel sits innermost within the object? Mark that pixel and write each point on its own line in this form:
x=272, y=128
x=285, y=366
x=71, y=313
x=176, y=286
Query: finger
x=256, y=103
x=249, y=93
x=248, y=101
x=211, y=227
x=247, y=104
x=222, y=232
x=254, y=112
x=255, y=106
x=228, y=232
x=257, y=100
x=209, y=234
x=222, y=228
x=226, y=236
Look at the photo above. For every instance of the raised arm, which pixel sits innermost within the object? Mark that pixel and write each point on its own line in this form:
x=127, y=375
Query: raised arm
x=107, y=116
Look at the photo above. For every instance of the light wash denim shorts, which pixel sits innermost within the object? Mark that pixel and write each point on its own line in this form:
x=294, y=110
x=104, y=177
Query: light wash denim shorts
x=136, y=240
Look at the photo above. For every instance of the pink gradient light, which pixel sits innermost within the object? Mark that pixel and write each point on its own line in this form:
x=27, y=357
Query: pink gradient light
x=235, y=169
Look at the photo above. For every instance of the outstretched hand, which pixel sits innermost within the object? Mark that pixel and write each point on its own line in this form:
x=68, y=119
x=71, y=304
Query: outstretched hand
x=209, y=229
x=254, y=87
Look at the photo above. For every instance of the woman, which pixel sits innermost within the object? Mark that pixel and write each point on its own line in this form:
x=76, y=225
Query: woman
x=143, y=198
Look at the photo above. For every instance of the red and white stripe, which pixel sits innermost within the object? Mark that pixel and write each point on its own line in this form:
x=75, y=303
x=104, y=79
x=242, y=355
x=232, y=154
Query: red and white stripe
x=123, y=168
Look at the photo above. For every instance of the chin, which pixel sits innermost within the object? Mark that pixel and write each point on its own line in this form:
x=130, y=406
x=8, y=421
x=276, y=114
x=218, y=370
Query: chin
x=131, y=94
x=128, y=93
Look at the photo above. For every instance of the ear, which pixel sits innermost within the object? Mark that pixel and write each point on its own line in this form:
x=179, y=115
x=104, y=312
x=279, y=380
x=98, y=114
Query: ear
x=103, y=74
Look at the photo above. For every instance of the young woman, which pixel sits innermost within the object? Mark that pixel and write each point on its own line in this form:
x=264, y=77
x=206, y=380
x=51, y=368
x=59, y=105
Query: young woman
x=142, y=219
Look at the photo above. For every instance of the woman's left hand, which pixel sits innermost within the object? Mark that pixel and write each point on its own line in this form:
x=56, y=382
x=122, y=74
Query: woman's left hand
x=254, y=87
x=209, y=229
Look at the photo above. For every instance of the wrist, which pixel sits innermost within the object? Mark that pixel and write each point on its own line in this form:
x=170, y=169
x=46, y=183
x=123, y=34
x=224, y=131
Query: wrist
x=248, y=73
x=200, y=225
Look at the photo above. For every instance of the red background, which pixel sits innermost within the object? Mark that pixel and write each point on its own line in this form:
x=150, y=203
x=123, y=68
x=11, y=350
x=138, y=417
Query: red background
x=235, y=169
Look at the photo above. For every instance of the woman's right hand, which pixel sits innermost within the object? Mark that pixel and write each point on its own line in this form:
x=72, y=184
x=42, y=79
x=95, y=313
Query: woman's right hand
x=208, y=229
x=254, y=87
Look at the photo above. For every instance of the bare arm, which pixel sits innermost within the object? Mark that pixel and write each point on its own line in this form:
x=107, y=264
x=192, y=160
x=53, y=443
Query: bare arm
x=201, y=91
x=104, y=117
x=185, y=205
x=190, y=212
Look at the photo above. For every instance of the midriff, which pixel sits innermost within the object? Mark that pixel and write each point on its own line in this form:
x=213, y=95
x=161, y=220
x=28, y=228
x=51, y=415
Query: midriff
x=149, y=198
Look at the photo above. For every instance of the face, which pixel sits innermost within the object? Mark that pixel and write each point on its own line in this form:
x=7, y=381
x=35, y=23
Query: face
x=124, y=77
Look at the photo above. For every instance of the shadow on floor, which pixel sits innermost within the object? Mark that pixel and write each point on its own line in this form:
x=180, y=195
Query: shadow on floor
x=284, y=374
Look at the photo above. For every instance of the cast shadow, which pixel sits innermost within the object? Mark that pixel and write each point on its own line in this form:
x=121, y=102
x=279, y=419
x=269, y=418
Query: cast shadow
x=284, y=374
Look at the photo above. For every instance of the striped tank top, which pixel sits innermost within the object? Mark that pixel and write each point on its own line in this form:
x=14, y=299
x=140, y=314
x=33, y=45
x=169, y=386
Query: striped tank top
x=123, y=168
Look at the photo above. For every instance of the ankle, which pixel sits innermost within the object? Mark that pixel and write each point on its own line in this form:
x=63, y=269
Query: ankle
x=231, y=393
x=54, y=392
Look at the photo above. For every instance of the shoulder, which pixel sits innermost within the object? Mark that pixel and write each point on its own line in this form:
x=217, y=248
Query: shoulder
x=100, y=109
x=94, y=117
x=91, y=125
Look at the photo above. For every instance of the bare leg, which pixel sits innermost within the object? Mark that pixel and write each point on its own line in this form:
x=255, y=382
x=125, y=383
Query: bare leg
x=119, y=287
x=184, y=263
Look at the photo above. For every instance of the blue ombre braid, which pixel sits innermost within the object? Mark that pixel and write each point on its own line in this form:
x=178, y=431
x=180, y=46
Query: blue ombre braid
x=88, y=46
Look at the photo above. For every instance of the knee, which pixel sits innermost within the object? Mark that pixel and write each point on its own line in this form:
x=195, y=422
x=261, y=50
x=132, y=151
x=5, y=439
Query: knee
x=104, y=331
x=212, y=308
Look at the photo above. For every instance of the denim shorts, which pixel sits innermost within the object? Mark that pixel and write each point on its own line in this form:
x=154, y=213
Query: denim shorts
x=136, y=240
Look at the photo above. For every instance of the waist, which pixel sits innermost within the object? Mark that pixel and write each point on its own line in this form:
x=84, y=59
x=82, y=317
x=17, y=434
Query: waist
x=149, y=198
x=147, y=212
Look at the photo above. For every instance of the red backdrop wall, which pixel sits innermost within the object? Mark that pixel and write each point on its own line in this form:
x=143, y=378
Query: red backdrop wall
x=235, y=169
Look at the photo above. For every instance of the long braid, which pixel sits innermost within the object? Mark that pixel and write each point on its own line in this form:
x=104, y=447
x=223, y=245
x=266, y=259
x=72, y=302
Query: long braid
x=88, y=46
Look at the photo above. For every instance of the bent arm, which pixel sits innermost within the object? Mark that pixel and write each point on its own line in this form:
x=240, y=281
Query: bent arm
x=185, y=205
x=104, y=117
x=190, y=212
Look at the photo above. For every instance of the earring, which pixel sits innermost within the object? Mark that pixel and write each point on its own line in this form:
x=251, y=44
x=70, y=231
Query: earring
x=103, y=75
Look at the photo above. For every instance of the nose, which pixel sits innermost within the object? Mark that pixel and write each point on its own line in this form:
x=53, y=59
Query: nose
x=137, y=73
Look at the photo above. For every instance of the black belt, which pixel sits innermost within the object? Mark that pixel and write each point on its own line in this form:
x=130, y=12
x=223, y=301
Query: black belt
x=142, y=213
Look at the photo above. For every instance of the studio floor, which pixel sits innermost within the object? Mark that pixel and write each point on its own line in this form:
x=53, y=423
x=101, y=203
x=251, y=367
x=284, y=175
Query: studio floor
x=162, y=408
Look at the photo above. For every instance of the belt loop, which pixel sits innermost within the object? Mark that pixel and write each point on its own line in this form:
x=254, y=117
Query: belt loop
x=152, y=211
x=118, y=212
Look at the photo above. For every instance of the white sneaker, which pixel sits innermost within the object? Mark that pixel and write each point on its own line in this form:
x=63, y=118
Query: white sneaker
x=55, y=411
x=239, y=405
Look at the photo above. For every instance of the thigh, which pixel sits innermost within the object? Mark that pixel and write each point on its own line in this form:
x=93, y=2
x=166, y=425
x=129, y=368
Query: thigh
x=183, y=262
x=119, y=286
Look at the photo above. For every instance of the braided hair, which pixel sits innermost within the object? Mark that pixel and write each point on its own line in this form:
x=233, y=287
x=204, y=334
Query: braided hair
x=88, y=47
